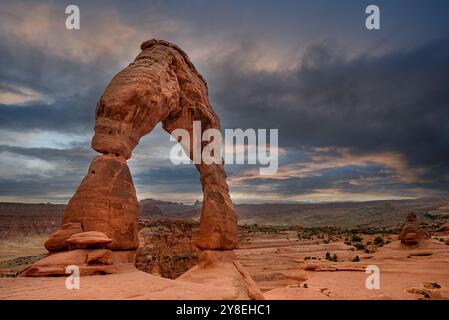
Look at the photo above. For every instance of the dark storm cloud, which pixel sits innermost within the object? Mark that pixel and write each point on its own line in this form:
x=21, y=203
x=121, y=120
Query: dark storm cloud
x=393, y=100
x=347, y=179
x=73, y=86
x=397, y=102
x=55, y=188
x=51, y=154
x=53, y=183
x=183, y=179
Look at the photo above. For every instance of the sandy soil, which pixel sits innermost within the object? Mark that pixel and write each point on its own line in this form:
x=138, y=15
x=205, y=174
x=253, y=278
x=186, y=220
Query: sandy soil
x=20, y=247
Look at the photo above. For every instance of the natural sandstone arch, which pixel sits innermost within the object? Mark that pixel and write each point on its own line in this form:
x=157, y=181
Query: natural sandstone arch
x=160, y=85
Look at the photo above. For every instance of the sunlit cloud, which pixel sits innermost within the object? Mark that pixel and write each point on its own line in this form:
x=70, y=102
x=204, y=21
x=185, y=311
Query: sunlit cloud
x=21, y=96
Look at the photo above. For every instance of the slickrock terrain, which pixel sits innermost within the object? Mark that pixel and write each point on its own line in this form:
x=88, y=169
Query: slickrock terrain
x=127, y=284
x=325, y=264
x=285, y=262
x=281, y=259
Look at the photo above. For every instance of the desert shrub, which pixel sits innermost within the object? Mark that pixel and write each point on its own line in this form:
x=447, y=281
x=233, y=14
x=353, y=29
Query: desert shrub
x=305, y=285
x=331, y=257
x=359, y=246
x=379, y=241
x=277, y=229
x=348, y=243
x=326, y=241
x=356, y=238
x=355, y=259
x=431, y=285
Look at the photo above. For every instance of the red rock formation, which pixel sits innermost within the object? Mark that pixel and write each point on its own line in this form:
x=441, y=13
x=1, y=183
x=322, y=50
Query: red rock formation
x=412, y=233
x=160, y=85
x=106, y=201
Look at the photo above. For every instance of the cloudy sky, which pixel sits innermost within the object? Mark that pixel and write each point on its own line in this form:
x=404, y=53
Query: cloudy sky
x=361, y=114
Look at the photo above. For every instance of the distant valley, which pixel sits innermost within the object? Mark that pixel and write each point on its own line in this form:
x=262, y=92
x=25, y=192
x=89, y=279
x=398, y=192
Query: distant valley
x=22, y=219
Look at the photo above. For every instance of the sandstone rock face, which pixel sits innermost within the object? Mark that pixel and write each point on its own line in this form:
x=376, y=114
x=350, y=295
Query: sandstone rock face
x=57, y=241
x=106, y=201
x=412, y=233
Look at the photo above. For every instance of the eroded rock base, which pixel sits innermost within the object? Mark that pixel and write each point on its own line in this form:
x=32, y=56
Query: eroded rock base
x=89, y=262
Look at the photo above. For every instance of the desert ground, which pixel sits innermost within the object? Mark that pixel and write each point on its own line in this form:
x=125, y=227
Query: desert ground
x=286, y=261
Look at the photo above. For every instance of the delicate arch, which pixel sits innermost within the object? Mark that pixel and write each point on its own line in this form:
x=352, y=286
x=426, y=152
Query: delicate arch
x=160, y=85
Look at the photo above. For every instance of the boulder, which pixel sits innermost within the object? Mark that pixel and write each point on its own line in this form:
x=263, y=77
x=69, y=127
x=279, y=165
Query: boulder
x=57, y=241
x=89, y=239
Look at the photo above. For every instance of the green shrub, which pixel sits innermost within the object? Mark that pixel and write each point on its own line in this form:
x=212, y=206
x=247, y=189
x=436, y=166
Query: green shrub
x=356, y=259
x=379, y=241
x=356, y=238
x=431, y=285
x=359, y=246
